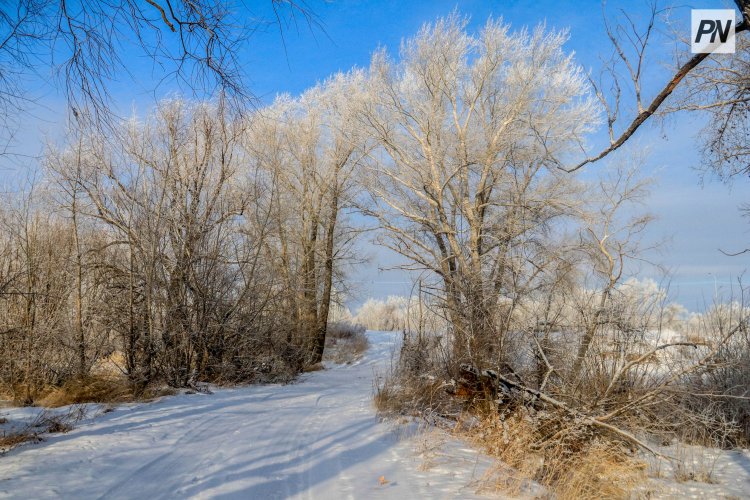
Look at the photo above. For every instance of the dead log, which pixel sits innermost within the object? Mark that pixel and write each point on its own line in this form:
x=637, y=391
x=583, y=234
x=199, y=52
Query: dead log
x=489, y=384
x=474, y=384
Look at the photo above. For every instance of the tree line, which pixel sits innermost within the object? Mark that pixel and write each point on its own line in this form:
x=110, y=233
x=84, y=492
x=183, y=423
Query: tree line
x=198, y=244
x=206, y=241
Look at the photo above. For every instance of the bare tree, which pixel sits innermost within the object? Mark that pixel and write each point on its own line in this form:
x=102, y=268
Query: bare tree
x=35, y=297
x=69, y=182
x=86, y=45
x=308, y=149
x=470, y=129
x=610, y=244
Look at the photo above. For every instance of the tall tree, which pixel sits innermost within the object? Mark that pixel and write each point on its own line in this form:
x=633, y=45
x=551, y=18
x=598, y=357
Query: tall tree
x=308, y=149
x=470, y=130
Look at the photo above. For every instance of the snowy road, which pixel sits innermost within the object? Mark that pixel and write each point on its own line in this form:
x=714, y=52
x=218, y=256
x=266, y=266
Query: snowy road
x=318, y=438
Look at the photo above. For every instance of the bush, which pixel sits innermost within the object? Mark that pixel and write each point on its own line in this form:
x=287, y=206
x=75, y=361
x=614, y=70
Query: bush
x=345, y=342
x=416, y=385
x=344, y=330
x=580, y=433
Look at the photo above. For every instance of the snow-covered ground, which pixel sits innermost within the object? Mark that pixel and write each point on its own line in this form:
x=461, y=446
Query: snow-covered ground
x=317, y=438
x=700, y=473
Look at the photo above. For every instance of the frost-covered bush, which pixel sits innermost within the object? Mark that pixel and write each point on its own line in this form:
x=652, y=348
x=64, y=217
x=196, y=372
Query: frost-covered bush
x=401, y=313
x=386, y=315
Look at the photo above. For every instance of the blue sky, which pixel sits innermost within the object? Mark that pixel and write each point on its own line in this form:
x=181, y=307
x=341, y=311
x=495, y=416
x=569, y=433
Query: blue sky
x=696, y=219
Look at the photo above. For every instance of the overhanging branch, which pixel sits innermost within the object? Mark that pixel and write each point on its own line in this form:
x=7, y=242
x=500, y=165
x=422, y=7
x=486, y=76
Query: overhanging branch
x=644, y=115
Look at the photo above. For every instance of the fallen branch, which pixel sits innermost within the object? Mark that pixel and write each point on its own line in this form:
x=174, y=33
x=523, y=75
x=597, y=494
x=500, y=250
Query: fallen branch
x=641, y=359
x=587, y=419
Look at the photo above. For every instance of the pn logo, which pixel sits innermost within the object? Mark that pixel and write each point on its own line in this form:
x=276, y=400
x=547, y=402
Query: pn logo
x=712, y=31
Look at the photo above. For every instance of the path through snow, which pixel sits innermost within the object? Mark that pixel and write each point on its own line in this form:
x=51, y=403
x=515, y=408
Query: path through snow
x=317, y=438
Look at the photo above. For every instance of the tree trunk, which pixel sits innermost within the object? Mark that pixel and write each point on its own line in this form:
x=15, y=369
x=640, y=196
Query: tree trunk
x=325, y=301
x=80, y=335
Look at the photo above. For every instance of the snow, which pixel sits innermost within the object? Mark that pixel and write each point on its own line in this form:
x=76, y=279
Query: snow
x=317, y=438
x=701, y=472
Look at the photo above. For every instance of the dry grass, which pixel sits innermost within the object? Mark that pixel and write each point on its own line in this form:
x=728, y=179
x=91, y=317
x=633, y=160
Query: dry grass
x=695, y=463
x=10, y=441
x=74, y=394
x=46, y=422
x=112, y=365
x=387, y=399
x=88, y=390
x=422, y=397
x=594, y=469
x=577, y=465
x=98, y=389
x=601, y=471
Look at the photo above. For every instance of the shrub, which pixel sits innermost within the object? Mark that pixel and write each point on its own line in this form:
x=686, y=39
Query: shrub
x=345, y=342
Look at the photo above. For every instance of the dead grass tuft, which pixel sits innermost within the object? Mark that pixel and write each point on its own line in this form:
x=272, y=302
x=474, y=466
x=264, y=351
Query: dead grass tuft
x=45, y=422
x=600, y=471
x=387, y=400
x=159, y=391
x=58, y=425
x=10, y=441
x=583, y=470
x=313, y=368
x=88, y=390
x=424, y=397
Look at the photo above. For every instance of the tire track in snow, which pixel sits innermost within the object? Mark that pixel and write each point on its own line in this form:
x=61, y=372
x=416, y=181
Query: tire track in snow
x=192, y=432
x=316, y=438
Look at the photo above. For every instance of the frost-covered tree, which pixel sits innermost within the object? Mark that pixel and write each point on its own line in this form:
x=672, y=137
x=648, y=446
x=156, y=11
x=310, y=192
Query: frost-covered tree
x=471, y=129
x=307, y=150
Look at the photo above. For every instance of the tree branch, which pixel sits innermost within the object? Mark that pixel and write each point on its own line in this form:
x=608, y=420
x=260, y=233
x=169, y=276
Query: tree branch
x=684, y=70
